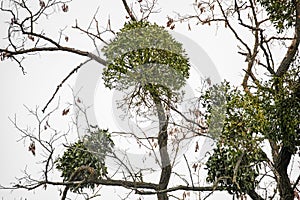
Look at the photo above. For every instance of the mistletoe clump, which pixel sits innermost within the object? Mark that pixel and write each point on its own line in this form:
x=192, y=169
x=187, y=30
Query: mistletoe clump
x=233, y=169
x=145, y=56
x=235, y=162
x=271, y=112
x=80, y=163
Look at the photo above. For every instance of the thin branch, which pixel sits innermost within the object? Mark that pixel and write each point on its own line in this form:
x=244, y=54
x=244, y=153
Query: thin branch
x=296, y=182
x=293, y=48
x=61, y=48
x=190, y=172
x=129, y=11
x=266, y=53
x=63, y=81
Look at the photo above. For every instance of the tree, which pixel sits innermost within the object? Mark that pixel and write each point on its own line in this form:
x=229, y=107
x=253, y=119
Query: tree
x=243, y=121
x=263, y=110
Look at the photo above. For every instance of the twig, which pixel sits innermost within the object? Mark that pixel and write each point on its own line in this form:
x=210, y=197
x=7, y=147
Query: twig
x=189, y=170
x=129, y=11
x=63, y=81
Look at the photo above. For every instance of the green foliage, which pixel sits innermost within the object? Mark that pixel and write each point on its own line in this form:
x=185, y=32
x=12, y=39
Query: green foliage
x=281, y=106
x=271, y=112
x=281, y=13
x=99, y=143
x=214, y=103
x=234, y=163
x=233, y=169
x=79, y=155
x=145, y=56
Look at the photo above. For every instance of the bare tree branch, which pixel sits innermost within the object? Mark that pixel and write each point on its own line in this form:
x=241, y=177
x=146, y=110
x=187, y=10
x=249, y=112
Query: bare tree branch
x=293, y=48
x=129, y=11
x=63, y=81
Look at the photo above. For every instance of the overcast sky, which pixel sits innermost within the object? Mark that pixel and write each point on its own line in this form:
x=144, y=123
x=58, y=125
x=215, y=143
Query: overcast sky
x=45, y=72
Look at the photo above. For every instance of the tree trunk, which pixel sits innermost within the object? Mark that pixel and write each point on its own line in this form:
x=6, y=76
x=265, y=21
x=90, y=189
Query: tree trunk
x=284, y=185
x=163, y=148
x=284, y=157
x=253, y=194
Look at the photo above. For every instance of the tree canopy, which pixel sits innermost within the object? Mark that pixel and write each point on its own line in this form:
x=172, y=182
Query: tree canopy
x=254, y=126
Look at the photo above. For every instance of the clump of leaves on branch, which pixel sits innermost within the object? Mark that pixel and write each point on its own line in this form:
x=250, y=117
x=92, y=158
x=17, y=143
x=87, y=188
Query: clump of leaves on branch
x=229, y=166
x=84, y=160
x=232, y=169
x=280, y=101
x=145, y=56
x=270, y=113
x=281, y=13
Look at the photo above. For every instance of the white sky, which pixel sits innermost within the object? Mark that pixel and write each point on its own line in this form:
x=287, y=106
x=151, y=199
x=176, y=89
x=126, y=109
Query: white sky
x=45, y=72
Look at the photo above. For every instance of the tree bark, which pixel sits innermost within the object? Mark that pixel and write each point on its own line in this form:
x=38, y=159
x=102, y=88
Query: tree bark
x=163, y=148
x=293, y=48
x=284, y=185
x=253, y=194
x=283, y=159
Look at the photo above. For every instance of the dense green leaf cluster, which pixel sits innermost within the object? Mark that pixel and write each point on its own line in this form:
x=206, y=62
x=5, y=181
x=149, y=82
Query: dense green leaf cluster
x=281, y=104
x=80, y=155
x=145, y=56
x=214, y=103
x=271, y=112
x=234, y=163
x=99, y=143
x=281, y=13
x=233, y=169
